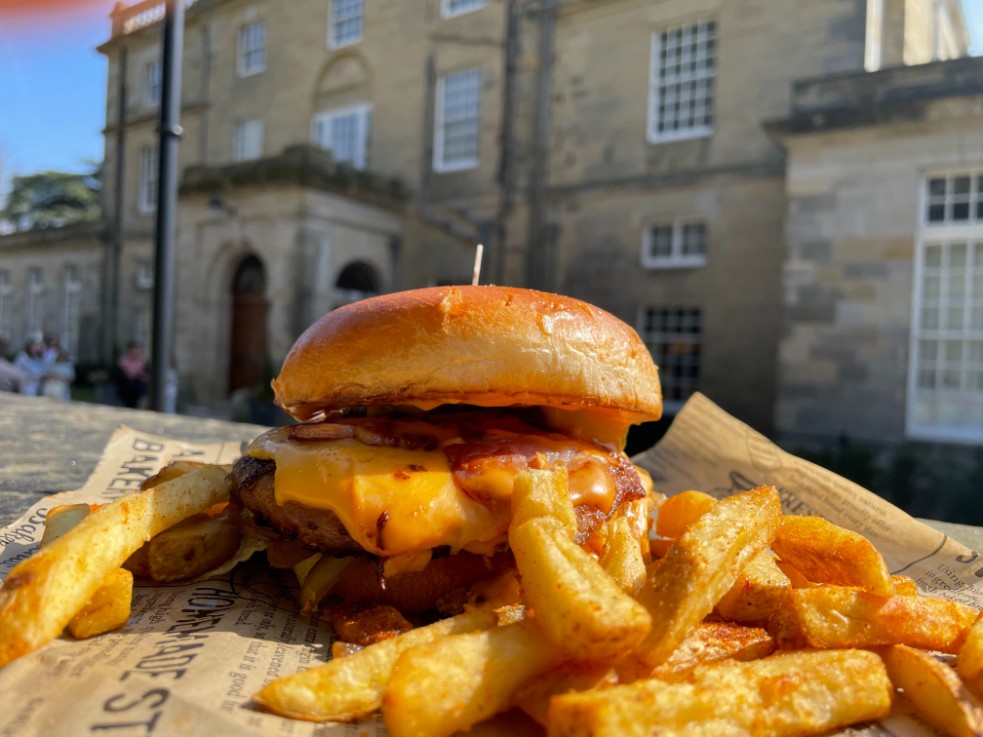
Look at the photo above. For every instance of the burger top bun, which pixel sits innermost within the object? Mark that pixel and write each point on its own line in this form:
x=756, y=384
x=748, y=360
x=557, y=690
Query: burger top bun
x=480, y=345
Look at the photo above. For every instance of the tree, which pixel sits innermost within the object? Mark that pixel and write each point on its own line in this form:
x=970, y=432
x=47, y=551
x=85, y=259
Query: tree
x=53, y=198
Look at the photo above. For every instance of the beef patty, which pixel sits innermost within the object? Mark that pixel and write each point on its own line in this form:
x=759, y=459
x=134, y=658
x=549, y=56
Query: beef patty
x=252, y=488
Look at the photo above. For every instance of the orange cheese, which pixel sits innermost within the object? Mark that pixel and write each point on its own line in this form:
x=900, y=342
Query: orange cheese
x=396, y=500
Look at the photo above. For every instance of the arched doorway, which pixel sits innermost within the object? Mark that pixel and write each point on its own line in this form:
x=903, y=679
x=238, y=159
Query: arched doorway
x=356, y=281
x=248, y=334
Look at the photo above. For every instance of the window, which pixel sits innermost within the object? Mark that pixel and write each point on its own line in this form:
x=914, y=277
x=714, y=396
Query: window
x=954, y=199
x=5, y=290
x=70, y=309
x=252, y=49
x=457, y=121
x=248, y=142
x=345, y=132
x=674, y=336
x=678, y=245
x=682, y=81
x=35, y=300
x=345, y=23
x=945, y=382
x=450, y=8
x=151, y=83
x=147, y=190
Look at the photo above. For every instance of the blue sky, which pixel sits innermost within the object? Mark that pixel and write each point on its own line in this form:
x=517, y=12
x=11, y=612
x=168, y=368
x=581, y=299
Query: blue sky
x=52, y=87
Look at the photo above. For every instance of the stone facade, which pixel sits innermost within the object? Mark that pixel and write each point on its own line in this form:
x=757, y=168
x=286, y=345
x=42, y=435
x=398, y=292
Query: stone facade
x=861, y=150
x=570, y=180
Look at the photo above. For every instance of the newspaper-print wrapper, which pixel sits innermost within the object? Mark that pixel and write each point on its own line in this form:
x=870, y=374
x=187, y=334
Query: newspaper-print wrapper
x=192, y=655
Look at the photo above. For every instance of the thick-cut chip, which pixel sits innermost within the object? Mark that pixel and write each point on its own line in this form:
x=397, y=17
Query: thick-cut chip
x=454, y=682
x=703, y=564
x=827, y=553
x=935, y=690
x=835, y=617
x=543, y=494
x=579, y=607
x=760, y=590
x=60, y=520
x=905, y=586
x=352, y=687
x=173, y=470
x=42, y=594
x=533, y=697
x=970, y=662
x=193, y=547
x=622, y=556
x=713, y=641
x=789, y=694
x=680, y=511
x=108, y=609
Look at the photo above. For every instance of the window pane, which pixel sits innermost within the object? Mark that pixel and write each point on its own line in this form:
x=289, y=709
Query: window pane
x=936, y=186
x=681, y=91
x=960, y=185
x=936, y=213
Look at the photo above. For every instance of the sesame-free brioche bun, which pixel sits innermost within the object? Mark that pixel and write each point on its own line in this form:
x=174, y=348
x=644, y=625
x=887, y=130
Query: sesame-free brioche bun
x=479, y=345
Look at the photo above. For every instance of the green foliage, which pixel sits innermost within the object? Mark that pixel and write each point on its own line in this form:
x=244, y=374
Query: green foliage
x=52, y=199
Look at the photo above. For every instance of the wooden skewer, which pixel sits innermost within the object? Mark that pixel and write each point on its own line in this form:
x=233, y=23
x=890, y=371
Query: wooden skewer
x=477, y=264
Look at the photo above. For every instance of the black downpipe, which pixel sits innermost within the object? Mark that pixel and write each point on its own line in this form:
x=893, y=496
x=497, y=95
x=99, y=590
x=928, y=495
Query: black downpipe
x=169, y=131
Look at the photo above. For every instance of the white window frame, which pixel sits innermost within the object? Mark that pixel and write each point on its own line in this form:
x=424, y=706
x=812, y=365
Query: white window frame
x=655, y=87
x=945, y=234
x=152, y=83
x=243, y=130
x=6, y=290
x=34, y=309
x=335, y=22
x=440, y=165
x=672, y=405
x=873, y=35
x=243, y=66
x=71, y=309
x=147, y=185
x=677, y=259
x=447, y=10
x=363, y=113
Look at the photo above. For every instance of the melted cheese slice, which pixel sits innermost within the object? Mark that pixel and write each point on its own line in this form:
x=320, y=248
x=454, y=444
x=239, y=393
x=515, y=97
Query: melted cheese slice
x=396, y=500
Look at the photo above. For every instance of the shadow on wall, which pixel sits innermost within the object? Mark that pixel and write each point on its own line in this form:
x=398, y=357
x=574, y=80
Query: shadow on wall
x=943, y=482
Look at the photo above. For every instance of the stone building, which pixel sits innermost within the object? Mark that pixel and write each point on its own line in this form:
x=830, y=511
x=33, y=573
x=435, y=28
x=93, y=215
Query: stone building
x=642, y=155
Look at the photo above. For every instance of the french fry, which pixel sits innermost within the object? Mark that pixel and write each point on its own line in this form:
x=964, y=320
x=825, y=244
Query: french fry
x=837, y=617
x=579, y=607
x=970, y=661
x=60, y=520
x=543, y=494
x=452, y=683
x=352, y=687
x=788, y=694
x=703, y=564
x=935, y=690
x=904, y=586
x=192, y=547
x=827, y=553
x=533, y=697
x=108, y=609
x=622, y=557
x=42, y=594
x=680, y=511
x=713, y=641
x=759, y=591
x=173, y=470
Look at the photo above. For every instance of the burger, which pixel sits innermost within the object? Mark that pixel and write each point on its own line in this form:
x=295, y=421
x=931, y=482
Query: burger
x=415, y=412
